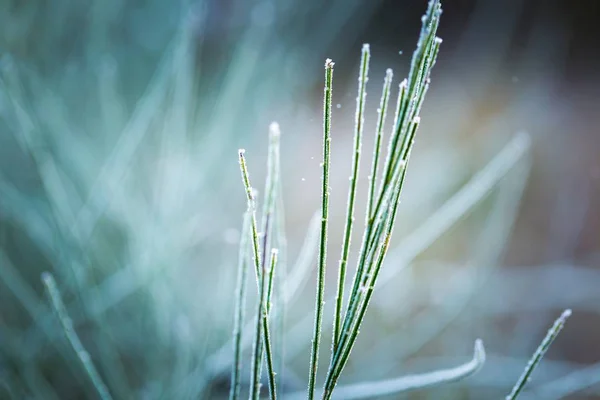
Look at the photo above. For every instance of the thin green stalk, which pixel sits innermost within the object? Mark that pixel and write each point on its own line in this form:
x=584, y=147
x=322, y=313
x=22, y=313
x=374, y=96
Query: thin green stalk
x=282, y=278
x=360, y=107
x=260, y=278
x=266, y=237
x=394, y=137
x=234, y=392
x=271, y=278
x=265, y=321
x=72, y=338
x=258, y=336
x=252, y=207
x=539, y=354
x=314, y=358
x=383, y=105
x=271, y=187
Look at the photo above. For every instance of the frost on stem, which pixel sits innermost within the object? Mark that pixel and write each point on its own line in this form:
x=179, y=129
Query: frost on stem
x=539, y=354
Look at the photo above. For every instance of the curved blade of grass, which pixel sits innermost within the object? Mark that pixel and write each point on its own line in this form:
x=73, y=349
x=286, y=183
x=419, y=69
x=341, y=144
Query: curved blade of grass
x=260, y=278
x=408, y=383
x=314, y=357
x=539, y=354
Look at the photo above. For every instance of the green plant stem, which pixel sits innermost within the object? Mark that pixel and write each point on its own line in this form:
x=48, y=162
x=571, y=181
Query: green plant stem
x=252, y=207
x=314, y=358
x=539, y=354
x=268, y=214
x=72, y=338
x=383, y=105
x=260, y=278
x=360, y=107
x=258, y=335
x=234, y=392
x=265, y=320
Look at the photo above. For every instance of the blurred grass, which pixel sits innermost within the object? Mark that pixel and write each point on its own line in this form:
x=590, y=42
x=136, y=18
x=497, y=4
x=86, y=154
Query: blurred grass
x=117, y=122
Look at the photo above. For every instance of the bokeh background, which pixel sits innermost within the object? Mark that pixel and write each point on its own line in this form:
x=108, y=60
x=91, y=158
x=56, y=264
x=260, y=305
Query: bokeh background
x=119, y=128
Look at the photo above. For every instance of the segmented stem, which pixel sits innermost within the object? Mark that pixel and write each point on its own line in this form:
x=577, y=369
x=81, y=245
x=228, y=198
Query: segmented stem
x=360, y=107
x=314, y=357
x=265, y=320
x=539, y=354
x=234, y=391
x=383, y=105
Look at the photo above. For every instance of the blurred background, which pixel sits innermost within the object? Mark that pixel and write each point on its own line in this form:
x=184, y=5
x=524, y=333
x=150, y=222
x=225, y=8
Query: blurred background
x=119, y=127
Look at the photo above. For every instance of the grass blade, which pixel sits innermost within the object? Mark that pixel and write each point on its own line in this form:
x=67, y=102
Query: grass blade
x=72, y=338
x=409, y=383
x=539, y=354
x=258, y=336
x=252, y=206
x=265, y=321
x=383, y=105
x=314, y=358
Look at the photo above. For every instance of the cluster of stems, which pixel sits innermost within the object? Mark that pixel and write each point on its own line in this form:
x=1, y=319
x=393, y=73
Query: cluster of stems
x=382, y=201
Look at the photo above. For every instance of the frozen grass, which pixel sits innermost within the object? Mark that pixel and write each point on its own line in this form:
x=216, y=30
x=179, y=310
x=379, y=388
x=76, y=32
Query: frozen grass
x=117, y=226
x=379, y=221
x=538, y=355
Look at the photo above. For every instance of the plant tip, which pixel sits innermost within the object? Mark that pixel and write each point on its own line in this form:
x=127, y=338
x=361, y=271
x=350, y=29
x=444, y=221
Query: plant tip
x=329, y=63
x=241, y=152
x=479, y=351
x=274, y=130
